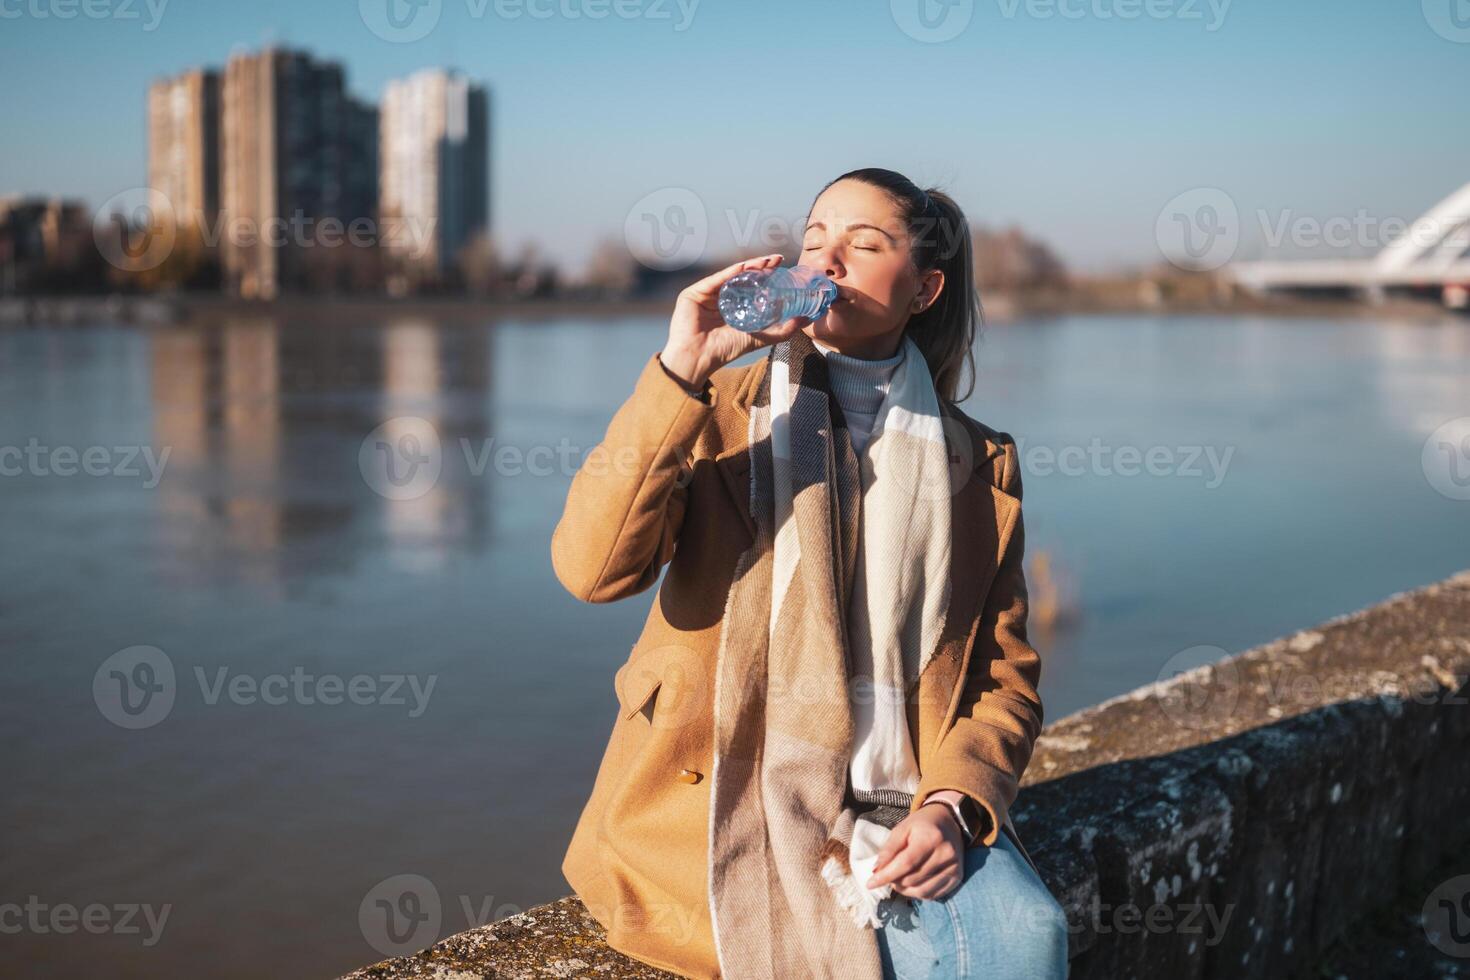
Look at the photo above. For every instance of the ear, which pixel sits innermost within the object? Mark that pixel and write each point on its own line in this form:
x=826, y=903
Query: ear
x=930, y=286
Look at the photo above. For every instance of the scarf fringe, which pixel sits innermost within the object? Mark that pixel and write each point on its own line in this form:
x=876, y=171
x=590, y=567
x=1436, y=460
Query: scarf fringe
x=861, y=903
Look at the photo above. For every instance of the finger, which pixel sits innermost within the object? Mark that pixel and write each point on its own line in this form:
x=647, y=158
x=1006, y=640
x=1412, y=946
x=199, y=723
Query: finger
x=901, y=864
x=938, y=887
x=926, y=874
x=709, y=287
x=894, y=843
x=781, y=331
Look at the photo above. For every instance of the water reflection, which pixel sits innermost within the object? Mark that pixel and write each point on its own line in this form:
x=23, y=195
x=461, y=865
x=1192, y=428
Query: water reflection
x=264, y=426
x=265, y=548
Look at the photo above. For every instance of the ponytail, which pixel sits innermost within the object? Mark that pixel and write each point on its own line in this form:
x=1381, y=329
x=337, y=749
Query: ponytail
x=940, y=239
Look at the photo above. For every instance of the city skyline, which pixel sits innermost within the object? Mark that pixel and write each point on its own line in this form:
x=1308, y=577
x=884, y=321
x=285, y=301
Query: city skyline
x=1080, y=129
x=274, y=140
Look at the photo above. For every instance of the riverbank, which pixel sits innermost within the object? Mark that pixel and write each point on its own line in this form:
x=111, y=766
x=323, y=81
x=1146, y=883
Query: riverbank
x=1239, y=819
x=162, y=310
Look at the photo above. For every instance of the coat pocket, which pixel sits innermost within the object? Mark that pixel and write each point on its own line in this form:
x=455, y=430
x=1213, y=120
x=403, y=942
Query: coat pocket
x=637, y=683
x=669, y=684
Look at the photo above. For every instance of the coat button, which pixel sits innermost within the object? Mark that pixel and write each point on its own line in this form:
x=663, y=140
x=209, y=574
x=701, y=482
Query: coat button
x=688, y=776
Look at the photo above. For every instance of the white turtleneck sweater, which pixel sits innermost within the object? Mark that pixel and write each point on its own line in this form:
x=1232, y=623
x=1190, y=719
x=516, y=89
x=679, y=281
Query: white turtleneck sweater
x=859, y=384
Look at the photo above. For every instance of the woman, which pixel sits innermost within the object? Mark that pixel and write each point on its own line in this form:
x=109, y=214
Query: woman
x=825, y=720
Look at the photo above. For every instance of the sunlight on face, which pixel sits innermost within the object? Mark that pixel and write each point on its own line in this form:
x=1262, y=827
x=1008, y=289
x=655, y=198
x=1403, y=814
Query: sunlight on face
x=855, y=235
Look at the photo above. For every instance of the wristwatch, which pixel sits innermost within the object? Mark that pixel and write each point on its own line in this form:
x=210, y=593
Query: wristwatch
x=967, y=813
x=701, y=395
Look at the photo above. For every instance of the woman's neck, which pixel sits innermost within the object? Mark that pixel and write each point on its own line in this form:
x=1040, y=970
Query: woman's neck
x=866, y=349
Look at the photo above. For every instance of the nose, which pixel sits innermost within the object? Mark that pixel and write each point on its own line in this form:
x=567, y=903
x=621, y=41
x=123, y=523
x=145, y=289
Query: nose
x=826, y=260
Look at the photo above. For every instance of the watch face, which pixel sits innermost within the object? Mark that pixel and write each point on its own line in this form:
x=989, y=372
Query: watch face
x=973, y=817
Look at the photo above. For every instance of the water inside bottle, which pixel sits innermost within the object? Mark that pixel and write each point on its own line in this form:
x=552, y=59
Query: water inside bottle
x=755, y=299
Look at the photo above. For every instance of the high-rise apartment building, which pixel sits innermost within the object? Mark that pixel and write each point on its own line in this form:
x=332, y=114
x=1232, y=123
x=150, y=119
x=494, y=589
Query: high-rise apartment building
x=183, y=146
x=433, y=180
x=298, y=165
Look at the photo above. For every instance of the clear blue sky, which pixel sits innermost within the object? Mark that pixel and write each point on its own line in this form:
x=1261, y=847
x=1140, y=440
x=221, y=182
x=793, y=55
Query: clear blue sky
x=1080, y=128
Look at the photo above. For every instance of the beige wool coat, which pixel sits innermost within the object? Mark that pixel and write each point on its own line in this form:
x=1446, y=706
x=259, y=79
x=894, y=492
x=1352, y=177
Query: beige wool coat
x=668, y=485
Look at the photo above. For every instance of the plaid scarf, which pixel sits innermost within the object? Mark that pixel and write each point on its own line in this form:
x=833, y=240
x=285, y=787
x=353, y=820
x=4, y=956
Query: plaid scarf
x=795, y=827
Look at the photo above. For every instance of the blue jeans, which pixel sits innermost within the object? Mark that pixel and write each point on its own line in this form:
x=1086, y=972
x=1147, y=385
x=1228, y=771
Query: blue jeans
x=1000, y=923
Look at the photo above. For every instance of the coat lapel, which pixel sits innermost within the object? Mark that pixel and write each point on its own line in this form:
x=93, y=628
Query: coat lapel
x=981, y=516
x=980, y=524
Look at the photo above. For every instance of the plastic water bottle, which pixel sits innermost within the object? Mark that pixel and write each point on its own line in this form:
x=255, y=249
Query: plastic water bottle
x=755, y=299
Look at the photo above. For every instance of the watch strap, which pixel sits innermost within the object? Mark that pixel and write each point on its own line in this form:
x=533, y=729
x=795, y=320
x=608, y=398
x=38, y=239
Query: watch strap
x=700, y=395
x=969, y=827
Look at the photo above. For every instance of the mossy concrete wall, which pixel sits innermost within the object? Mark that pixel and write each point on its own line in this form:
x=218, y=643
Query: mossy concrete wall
x=1232, y=820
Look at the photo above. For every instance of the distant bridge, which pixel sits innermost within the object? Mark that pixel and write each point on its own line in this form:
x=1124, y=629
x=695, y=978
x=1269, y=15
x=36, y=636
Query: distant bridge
x=1433, y=254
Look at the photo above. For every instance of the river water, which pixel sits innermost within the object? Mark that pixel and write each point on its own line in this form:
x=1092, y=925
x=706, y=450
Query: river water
x=253, y=675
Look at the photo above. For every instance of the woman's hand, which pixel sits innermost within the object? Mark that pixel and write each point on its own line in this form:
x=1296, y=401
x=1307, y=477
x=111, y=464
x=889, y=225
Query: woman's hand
x=923, y=856
x=701, y=342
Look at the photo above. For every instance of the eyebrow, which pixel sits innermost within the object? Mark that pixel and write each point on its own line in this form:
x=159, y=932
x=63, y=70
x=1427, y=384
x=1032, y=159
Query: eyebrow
x=880, y=231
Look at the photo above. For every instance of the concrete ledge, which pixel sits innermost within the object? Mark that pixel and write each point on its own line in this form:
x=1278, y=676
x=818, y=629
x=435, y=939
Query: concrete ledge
x=1234, y=820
